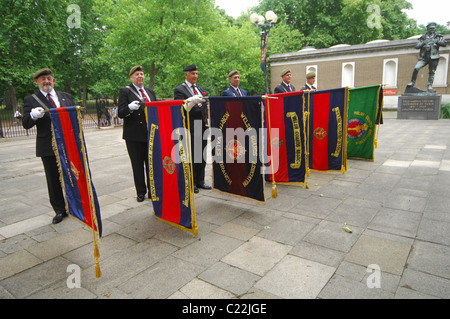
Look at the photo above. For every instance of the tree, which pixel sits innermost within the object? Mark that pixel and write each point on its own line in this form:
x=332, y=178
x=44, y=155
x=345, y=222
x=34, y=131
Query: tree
x=77, y=64
x=324, y=23
x=157, y=34
x=226, y=48
x=32, y=34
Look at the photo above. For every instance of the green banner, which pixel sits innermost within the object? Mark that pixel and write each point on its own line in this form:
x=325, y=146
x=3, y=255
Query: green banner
x=363, y=107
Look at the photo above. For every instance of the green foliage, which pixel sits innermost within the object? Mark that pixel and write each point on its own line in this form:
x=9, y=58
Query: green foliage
x=445, y=111
x=324, y=23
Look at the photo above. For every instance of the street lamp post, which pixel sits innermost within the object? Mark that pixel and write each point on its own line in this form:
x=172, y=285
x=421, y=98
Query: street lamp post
x=259, y=21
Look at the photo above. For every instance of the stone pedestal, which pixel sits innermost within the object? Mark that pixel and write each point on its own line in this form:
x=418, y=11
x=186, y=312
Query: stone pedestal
x=419, y=106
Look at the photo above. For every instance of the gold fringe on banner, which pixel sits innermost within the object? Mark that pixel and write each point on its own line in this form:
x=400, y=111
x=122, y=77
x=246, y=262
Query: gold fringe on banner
x=98, y=273
x=274, y=186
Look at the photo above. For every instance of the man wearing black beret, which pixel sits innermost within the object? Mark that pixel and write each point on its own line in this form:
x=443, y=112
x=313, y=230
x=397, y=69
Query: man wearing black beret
x=135, y=128
x=34, y=107
x=198, y=121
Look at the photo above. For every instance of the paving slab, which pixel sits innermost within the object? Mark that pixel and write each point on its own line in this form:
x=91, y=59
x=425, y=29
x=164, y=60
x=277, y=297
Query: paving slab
x=258, y=255
x=296, y=278
x=425, y=283
x=342, y=288
x=162, y=279
x=208, y=249
x=34, y=279
x=389, y=255
x=320, y=254
x=287, y=231
x=432, y=258
x=332, y=235
x=198, y=289
x=230, y=278
x=17, y=262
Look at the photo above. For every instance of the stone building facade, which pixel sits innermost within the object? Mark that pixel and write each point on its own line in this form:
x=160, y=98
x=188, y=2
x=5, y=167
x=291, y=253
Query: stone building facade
x=378, y=62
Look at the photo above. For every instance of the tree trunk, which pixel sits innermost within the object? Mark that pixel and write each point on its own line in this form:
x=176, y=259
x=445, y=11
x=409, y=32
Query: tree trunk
x=11, y=99
x=153, y=71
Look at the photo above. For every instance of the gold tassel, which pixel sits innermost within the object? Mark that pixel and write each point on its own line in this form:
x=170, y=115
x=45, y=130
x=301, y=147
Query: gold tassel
x=274, y=186
x=274, y=190
x=98, y=272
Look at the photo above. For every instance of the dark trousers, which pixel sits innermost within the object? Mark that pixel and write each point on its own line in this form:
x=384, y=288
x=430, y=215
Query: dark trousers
x=138, y=153
x=198, y=145
x=55, y=192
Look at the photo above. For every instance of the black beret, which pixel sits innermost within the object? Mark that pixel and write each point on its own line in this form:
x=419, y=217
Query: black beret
x=190, y=68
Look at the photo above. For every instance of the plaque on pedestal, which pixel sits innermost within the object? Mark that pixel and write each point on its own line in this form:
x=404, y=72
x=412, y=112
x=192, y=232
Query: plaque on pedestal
x=419, y=106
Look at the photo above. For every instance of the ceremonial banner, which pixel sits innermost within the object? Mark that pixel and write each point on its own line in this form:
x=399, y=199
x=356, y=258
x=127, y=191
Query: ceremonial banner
x=286, y=137
x=169, y=158
x=236, y=126
x=70, y=150
x=263, y=62
x=327, y=129
x=362, y=125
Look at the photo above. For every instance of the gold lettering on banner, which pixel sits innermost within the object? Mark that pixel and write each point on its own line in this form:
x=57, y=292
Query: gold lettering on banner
x=66, y=161
x=224, y=120
x=245, y=120
x=297, y=140
x=254, y=150
x=339, y=132
x=225, y=174
x=250, y=176
x=151, y=141
x=185, y=170
x=220, y=146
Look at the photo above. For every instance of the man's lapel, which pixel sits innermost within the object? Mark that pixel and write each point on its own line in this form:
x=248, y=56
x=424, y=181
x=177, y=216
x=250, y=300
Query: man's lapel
x=63, y=102
x=187, y=90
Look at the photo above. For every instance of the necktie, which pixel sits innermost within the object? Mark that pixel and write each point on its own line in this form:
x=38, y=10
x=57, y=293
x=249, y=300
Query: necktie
x=290, y=89
x=144, y=97
x=49, y=97
x=195, y=89
x=239, y=91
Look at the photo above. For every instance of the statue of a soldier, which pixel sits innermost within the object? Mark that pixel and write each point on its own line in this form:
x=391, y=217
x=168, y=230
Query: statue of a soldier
x=428, y=44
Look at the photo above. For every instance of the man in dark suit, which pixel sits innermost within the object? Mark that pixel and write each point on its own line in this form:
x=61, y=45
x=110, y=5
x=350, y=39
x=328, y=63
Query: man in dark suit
x=198, y=122
x=285, y=85
x=34, y=107
x=234, y=89
x=135, y=128
x=310, y=80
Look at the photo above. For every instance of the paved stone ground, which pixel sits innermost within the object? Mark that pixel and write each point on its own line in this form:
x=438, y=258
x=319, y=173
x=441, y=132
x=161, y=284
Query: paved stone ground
x=398, y=208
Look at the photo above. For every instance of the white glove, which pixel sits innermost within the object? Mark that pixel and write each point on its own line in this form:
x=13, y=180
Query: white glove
x=37, y=113
x=193, y=100
x=133, y=106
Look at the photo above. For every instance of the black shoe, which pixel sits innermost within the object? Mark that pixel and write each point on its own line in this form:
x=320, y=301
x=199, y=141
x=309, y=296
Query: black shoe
x=204, y=186
x=59, y=217
x=196, y=191
x=140, y=198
